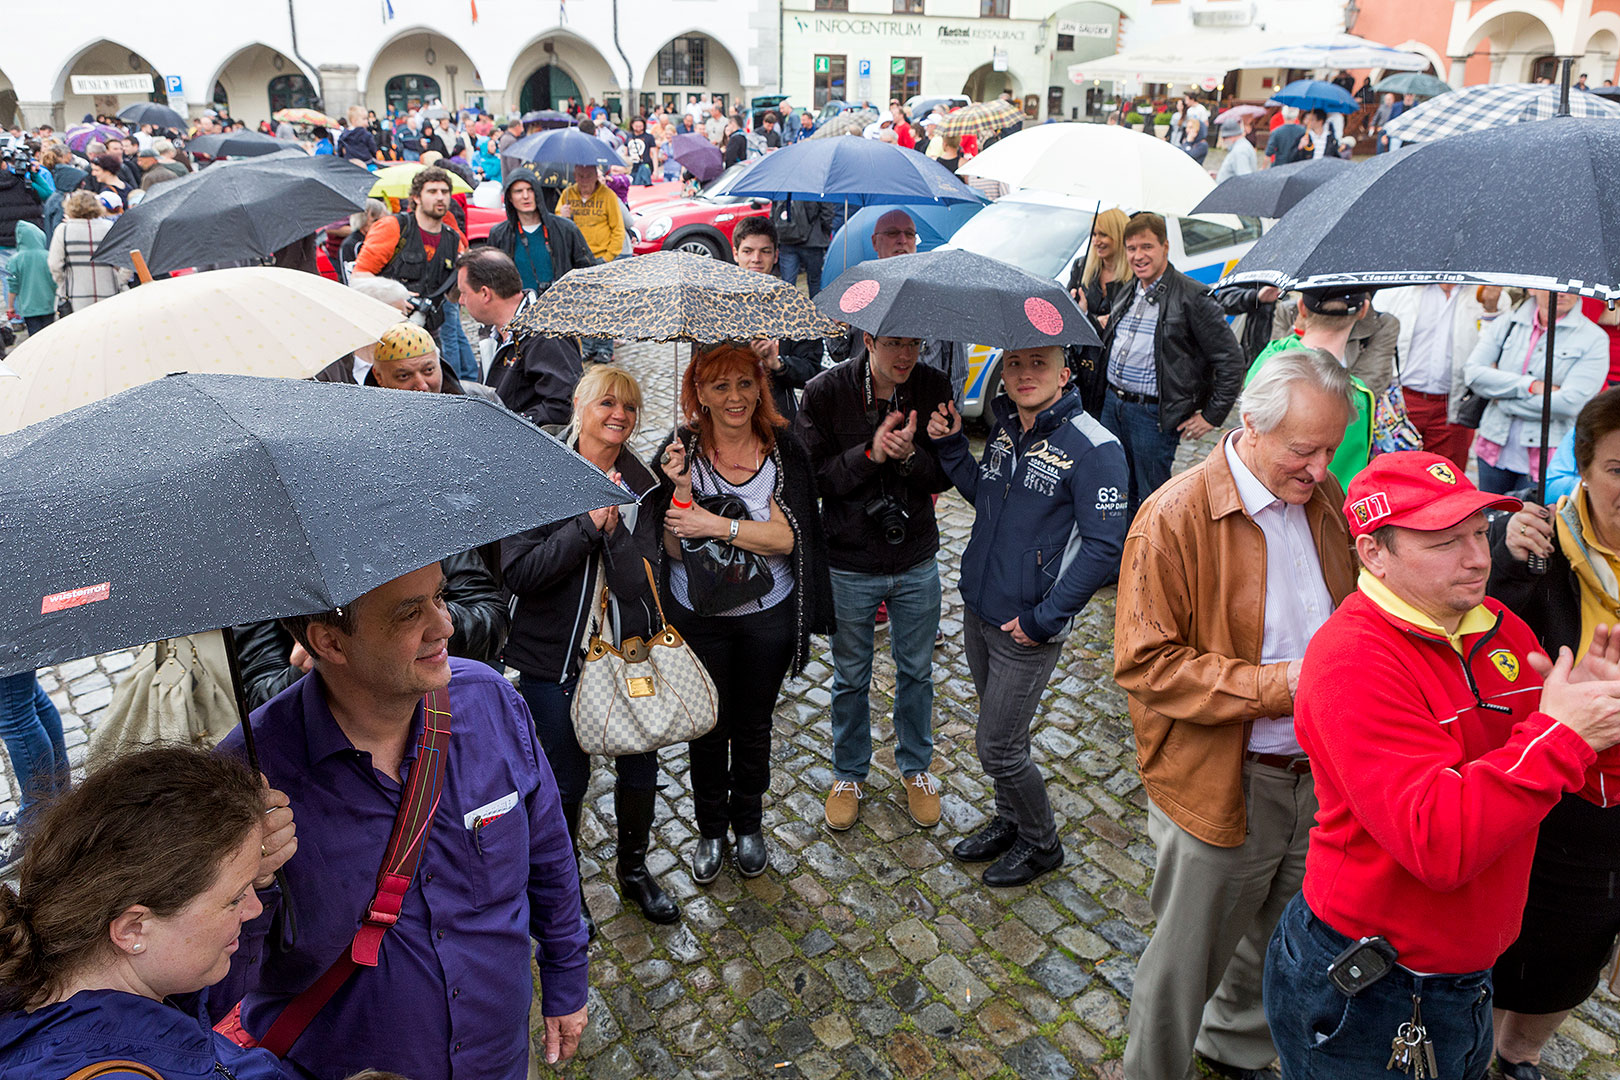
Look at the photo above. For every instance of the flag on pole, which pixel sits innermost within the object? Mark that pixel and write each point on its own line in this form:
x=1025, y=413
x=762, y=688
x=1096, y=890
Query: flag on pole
x=475, y=11
x=388, y=10
x=562, y=11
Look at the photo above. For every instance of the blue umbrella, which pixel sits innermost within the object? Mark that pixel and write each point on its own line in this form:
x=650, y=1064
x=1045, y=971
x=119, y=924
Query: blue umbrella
x=697, y=155
x=935, y=225
x=1316, y=94
x=857, y=172
x=564, y=146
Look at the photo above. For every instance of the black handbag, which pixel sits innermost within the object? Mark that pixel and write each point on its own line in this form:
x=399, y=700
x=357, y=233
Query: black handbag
x=1471, y=409
x=720, y=575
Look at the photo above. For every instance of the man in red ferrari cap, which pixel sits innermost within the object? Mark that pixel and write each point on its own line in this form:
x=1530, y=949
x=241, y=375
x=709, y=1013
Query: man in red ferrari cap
x=1439, y=736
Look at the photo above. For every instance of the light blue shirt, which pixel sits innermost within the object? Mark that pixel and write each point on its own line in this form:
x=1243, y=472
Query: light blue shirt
x=1131, y=364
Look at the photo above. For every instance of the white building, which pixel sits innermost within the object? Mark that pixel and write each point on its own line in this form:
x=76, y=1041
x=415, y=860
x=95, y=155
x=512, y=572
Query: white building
x=260, y=55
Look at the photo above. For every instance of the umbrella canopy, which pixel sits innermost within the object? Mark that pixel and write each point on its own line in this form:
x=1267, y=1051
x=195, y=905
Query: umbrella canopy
x=1240, y=112
x=1004, y=112
x=150, y=112
x=675, y=296
x=1413, y=82
x=845, y=122
x=697, y=155
x=550, y=118
x=1316, y=94
x=436, y=112
x=394, y=182
x=1111, y=165
x=1492, y=105
x=201, y=501
x=239, y=144
x=956, y=296
x=859, y=172
x=978, y=120
x=303, y=116
x=238, y=211
x=1272, y=192
x=80, y=136
x=259, y=320
x=852, y=243
x=563, y=146
x=1340, y=52
x=1398, y=220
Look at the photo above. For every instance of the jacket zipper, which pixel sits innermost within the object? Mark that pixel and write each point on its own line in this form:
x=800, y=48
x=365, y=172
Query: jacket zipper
x=1468, y=662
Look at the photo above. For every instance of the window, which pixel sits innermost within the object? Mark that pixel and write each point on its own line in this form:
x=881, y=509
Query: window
x=681, y=62
x=1065, y=43
x=1054, y=101
x=830, y=78
x=908, y=7
x=649, y=104
x=410, y=91
x=1202, y=235
x=995, y=9
x=905, y=77
x=291, y=92
x=1544, y=68
x=832, y=5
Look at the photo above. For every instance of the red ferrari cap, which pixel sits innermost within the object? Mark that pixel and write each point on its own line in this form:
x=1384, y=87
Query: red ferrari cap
x=1415, y=490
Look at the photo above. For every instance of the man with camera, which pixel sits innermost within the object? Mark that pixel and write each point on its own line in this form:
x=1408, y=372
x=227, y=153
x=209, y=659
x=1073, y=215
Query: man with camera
x=534, y=374
x=20, y=200
x=864, y=422
x=417, y=247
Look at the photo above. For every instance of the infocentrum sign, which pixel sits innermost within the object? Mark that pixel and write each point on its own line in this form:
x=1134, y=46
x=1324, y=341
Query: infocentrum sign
x=907, y=29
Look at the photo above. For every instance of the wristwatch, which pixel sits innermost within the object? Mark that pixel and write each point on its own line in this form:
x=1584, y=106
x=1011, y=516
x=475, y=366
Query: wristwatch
x=734, y=524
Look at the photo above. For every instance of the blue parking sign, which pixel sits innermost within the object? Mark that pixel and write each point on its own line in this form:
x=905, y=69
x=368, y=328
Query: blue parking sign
x=866, y=69
x=172, y=83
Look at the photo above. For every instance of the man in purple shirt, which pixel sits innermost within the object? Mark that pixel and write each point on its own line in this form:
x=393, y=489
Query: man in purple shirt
x=451, y=992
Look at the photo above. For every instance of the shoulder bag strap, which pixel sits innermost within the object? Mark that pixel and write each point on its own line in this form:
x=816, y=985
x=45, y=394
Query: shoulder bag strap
x=102, y=1068
x=411, y=827
x=652, y=583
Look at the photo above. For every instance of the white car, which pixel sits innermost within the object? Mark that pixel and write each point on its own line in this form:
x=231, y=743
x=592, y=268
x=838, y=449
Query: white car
x=1044, y=233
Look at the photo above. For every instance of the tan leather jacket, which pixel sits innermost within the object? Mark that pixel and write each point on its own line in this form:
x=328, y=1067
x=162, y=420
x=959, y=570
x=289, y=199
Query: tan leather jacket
x=1187, y=636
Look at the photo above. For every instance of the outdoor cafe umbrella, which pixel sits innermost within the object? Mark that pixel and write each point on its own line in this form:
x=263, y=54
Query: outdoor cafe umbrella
x=1493, y=105
x=238, y=144
x=1340, y=52
x=697, y=155
x=1415, y=83
x=1310, y=94
x=956, y=296
x=236, y=212
x=150, y=112
x=1272, y=192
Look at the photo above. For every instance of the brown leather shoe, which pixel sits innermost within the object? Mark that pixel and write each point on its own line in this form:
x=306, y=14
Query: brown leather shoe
x=844, y=804
x=922, y=799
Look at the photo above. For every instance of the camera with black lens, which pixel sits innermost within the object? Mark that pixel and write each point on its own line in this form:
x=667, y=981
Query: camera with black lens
x=424, y=310
x=890, y=517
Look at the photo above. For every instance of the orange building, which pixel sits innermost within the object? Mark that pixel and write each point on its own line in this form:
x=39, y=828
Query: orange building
x=1478, y=41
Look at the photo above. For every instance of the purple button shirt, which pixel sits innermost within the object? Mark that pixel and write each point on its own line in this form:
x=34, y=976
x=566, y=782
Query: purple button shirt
x=450, y=994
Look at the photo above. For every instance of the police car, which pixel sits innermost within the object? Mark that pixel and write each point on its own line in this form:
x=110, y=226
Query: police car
x=1044, y=233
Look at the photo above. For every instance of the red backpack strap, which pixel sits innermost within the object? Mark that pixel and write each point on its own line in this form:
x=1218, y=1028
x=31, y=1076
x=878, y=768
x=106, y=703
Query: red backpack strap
x=411, y=828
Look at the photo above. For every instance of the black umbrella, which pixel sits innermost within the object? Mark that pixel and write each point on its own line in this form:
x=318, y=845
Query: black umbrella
x=238, y=211
x=1271, y=192
x=556, y=152
x=956, y=296
x=149, y=112
x=238, y=144
x=549, y=118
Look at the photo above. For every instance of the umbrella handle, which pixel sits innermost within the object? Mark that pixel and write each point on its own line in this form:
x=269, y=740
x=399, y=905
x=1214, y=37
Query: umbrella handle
x=1537, y=564
x=141, y=272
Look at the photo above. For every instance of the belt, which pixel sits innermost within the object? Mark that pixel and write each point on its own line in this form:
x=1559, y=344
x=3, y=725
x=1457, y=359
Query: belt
x=1133, y=397
x=1425, y=394
x=1298, y=764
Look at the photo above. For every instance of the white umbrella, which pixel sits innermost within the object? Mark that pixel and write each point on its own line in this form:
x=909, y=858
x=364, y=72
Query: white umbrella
x=1110, y=165
x=1340, y=52
x=256, y=320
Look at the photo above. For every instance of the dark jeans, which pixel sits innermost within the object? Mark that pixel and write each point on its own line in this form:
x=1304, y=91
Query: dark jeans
x=550, y=704
x=32, y=730
x=1009, y=678
x=1496, y=481
x=790, y=257
x=36, y=323
x=454, y=347
x=747, y=656
x=1149, y=452
x=1323, y=1035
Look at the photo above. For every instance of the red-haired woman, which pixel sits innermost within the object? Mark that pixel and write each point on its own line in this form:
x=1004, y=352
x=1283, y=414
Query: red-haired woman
x=734, y=442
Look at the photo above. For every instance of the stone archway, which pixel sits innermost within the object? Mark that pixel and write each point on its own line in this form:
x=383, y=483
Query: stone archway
x=417, y=65
x=691, y=63
x=549, y=87
x=985, y=82
x=9, y=113
x=109, y=76
x=257, y=80
x=571, y=58
x=1514, y=37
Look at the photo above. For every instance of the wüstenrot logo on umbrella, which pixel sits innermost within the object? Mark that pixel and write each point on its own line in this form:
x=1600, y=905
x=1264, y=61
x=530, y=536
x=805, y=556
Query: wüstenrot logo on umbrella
x=72, y=598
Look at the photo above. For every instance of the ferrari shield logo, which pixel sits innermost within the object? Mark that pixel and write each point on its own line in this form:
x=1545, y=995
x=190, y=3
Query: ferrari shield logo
x=1507, y=664
x=1442, y=473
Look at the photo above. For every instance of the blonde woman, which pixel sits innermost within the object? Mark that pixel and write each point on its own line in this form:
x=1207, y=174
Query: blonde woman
x=78, y=280
x=1095, y=287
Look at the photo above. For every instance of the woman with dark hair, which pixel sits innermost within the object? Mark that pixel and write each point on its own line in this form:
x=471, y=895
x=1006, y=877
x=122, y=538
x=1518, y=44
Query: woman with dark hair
x=733, y=442
x=133, y=894
x=1572, y=913
x=556, y=574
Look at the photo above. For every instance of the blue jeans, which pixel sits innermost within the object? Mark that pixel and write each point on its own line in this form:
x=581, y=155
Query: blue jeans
x=5, y=291
x=1321, y=1034
x=789, y=257
x=642, y=175
x=913, y=598
x=1496, y=481
x=32, y=730
x=1149, y=452
x=455, y=348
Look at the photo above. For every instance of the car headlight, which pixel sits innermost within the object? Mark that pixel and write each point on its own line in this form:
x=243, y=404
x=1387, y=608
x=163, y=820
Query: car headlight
x=658, y=229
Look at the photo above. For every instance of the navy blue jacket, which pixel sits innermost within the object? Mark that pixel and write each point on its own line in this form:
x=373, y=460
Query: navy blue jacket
x=1050, y=515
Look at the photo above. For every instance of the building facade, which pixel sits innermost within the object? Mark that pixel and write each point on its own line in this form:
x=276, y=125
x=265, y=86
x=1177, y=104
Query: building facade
x=1479, y=41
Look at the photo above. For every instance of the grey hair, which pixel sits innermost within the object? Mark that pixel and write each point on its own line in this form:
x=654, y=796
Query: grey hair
x=387, y=290
x=375, y=210
x=1266, y=400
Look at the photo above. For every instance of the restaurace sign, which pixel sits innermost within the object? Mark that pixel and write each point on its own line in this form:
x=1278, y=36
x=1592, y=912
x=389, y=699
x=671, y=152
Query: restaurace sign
x=844, y=26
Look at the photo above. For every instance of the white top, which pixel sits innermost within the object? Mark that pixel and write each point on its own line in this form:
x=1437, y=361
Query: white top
x=756, y=493
x=1297, y=597
x=1427, y=366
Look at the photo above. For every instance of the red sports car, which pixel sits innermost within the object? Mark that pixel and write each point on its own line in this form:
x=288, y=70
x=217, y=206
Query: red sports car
x=701, y=224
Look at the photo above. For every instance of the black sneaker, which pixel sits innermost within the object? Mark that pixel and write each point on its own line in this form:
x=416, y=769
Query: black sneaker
x=988, y=843
x=1022, y=864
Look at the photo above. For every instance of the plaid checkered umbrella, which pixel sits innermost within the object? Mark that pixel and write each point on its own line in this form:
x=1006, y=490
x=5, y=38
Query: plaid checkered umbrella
x=978, y=120
x=1489, y=106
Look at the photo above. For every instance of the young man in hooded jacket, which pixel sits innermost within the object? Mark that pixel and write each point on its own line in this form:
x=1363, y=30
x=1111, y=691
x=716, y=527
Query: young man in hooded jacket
x=543, y=245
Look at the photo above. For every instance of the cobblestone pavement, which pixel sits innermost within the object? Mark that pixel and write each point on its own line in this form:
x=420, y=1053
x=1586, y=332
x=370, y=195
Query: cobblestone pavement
x=870, y=953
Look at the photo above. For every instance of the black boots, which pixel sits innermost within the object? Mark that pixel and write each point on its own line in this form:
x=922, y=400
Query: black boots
x=634, y=811
x=571, y=815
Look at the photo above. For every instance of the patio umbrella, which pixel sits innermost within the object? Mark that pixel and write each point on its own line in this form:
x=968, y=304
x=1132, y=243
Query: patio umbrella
x=697, y=155
x=1109, y=165
x=1413, y=82
x=150, y=112
x=80, y=136
x=563, y=146
x=845, y=122
x=260, y=320
x=239, y=144
x=1271, y=192
x=956, y=296
x=857, y=172
x=1315, y=94
x=1340, y=52
x=1493, y=105
x=303, y=116
x=394, y=182
x=239, y=211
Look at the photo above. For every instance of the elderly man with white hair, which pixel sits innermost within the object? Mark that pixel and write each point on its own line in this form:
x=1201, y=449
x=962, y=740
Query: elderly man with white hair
x=1229, y=569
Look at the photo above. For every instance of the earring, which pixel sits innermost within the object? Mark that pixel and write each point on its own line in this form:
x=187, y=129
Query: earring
x=137, y=947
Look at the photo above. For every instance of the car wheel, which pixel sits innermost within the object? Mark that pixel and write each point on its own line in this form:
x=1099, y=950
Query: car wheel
x=698, y=244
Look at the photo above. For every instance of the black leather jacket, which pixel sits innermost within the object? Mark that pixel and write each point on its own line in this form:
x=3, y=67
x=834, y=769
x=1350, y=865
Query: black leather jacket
x=1200, y=366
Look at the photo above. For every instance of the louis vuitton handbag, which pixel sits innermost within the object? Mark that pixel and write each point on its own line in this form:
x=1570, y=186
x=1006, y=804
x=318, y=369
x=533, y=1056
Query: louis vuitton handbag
x=640, y=695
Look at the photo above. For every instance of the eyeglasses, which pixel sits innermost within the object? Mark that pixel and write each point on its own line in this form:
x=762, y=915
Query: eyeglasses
x=910, y=234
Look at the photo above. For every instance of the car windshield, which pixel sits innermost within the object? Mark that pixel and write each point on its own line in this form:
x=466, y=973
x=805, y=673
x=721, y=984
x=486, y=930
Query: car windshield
x=1039, y=239
x=718, y=190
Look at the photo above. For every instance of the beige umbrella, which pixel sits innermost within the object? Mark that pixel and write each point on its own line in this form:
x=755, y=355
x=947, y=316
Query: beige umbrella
x=257, y=320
